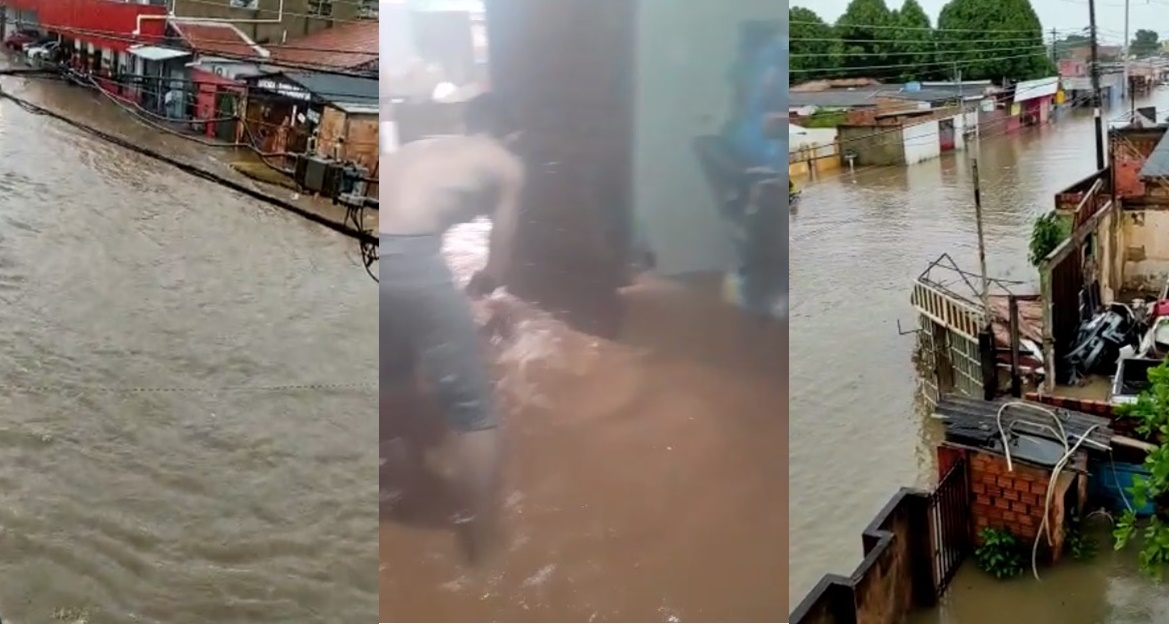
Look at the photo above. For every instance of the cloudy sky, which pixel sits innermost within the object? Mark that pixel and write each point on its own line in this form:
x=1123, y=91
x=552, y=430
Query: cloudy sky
x=1061, y=14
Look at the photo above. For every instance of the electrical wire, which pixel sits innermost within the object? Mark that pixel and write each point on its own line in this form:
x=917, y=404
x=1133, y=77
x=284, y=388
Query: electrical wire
x=867, y=137
x=914, y=28
x=254, y=59
x=28, y=106
x=1021, y=52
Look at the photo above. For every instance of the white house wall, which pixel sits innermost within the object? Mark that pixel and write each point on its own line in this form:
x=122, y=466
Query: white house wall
x=922, y=142
x=685, y=53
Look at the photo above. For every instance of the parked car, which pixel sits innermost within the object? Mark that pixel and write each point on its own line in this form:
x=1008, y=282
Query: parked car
x=21, y=38
x=41, y=53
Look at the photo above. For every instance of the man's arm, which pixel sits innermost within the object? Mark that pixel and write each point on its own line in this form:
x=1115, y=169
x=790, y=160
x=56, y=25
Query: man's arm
x=504, y=224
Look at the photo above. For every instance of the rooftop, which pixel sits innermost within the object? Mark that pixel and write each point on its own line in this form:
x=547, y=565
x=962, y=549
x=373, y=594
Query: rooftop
x=1157, y=164
x=857, y=97
x=335, y=88
x=217, y=38
x=346, y=46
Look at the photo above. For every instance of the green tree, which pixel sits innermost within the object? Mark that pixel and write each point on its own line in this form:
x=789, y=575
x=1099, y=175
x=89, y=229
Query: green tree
x=993, y=39
x=1145, y=43
x=815, y=48
x=914, y=46
x=865, y=39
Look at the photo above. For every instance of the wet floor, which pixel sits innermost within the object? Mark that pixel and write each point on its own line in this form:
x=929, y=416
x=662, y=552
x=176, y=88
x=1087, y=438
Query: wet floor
x=857, y=244
x=155, y=469
x=646, y=476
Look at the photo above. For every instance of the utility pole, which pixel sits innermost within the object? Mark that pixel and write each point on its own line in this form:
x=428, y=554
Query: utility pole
x=1054, y=43
x=1127, y=73
x=1096, y=100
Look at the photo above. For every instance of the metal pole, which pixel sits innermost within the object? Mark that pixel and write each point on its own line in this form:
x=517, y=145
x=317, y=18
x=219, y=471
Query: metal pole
x=1132, y=100
x=981, y=236
x=1096, y=100
x=1054, y=42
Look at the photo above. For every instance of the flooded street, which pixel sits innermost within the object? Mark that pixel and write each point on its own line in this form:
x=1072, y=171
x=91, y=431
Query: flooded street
x=646, y=476
x=156, y=465
x=857, y=244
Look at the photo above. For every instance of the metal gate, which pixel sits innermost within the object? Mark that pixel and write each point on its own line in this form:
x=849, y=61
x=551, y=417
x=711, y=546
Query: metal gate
x=949, y=513
x=948, y=327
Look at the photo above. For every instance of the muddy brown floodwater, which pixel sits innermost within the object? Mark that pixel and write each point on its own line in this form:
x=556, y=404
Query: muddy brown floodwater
x=168, y=504
x=858, y=433
x=646, y=476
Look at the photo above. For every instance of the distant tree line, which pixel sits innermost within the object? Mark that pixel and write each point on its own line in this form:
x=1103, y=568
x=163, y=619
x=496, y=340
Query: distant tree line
x=983, y=39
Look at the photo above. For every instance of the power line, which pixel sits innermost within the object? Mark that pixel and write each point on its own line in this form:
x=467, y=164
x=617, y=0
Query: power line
x=838, y=25
x=177, y=164
x=328, y=18
x=982, y=133
x=121, y=37
x=922, y=52
x=916, y=41
x=838, y=69
x=873, y=135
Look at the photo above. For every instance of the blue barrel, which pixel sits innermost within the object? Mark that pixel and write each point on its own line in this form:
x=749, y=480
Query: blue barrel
x=1111, y=484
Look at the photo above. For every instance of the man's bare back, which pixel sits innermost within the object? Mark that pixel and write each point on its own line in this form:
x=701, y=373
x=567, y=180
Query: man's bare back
x=428, y=186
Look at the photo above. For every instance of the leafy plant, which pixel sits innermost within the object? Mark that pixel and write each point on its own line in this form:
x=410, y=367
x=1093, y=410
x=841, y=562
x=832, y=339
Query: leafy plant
x=1048, y=232
x=1001, y=553
x=1081, y=546
x=1151, y=410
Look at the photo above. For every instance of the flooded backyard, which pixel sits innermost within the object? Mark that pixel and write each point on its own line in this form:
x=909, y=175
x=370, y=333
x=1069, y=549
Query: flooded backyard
x=858, y=241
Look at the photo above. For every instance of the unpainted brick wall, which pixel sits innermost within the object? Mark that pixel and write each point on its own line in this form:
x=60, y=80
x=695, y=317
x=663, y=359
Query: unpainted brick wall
x=1011, y=500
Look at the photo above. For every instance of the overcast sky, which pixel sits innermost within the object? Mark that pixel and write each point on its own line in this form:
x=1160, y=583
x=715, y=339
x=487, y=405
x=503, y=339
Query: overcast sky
x=1062, y=14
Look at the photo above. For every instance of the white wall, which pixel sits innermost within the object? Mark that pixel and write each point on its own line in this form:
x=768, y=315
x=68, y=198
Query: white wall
x=921, y=142
x=685, y=53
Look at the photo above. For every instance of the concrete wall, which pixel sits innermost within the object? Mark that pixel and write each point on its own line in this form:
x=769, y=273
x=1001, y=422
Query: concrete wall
x=684, y=54
x=893, y=578
x=873, y=145
x=1145, y=251
x=922, y=141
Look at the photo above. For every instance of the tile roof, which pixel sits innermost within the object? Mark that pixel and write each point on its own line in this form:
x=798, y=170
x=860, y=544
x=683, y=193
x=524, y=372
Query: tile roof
x=216, y=38
x=346, y=46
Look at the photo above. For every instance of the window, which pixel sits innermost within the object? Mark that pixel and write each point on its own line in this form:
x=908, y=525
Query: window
x=320, y=8
x=250, y=5
x=367, y=9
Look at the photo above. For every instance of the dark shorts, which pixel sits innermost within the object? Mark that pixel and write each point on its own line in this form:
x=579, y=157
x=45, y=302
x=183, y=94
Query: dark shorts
x=426, y=329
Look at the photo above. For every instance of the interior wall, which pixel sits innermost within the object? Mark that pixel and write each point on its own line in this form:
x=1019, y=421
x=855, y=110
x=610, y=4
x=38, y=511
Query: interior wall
x=685, y=52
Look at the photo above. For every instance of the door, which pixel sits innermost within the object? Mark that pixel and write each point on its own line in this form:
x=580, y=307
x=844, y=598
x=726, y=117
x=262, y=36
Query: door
x=946, y=134
x=225, y=106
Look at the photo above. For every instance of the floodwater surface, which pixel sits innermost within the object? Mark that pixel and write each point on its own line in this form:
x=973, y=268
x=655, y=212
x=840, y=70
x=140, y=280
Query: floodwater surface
x=157, y=465
x=646, y=476
x=858, y=432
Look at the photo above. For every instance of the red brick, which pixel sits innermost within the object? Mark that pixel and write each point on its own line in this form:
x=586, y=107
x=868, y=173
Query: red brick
x=1029, y=499
x=1009, y=516
x=1039, y=488
x=978, y=488
x=994, y=491
x=982, y=500
x=1011, y=495
x=1006, y=482
x=1002, y=504
x=994, y=513
x=1027, y=521
x=1020, y=507
x=1025, y=476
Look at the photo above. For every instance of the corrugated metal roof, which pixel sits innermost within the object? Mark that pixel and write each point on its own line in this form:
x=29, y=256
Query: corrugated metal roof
x=1157, y=164
x=337, y=89
x=867, y=96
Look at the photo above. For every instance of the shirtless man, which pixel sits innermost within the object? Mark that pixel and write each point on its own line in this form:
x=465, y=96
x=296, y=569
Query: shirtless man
x=426, y=324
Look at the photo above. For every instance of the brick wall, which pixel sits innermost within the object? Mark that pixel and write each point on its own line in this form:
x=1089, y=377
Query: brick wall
x=1006, y=500
x=1014, y=500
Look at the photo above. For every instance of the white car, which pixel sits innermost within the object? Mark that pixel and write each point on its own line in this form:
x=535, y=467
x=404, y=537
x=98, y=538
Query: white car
x=40, y=53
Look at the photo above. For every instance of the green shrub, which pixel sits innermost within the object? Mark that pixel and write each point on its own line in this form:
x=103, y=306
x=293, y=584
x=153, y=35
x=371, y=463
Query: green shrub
x=1001, y=553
